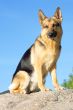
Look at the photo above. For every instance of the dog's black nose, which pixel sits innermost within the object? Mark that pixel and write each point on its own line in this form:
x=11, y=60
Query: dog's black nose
x=52, y=34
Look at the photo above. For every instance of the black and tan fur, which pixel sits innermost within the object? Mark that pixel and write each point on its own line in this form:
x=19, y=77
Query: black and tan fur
x=40, y=58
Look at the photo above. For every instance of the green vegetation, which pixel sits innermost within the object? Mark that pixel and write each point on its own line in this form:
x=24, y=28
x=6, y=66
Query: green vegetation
x=68, y=83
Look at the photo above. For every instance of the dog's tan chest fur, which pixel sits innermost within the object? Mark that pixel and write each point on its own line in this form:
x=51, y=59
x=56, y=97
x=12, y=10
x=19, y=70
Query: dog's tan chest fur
x=48, y=54
x=51, y=58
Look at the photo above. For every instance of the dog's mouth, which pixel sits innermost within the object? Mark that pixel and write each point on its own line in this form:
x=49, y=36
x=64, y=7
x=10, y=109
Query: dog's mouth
x=52, y=34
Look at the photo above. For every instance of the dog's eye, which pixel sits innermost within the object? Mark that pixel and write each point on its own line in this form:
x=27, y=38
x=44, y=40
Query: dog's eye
x=56, y=25
x=45, y=26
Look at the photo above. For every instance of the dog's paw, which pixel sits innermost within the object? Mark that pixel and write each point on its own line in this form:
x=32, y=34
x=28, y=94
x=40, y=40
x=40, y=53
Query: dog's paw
x=44, y=89
x=22, y=92
x=18, y=91
x=59, y=88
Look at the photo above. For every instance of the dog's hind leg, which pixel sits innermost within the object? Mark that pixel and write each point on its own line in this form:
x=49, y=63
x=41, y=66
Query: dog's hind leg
x=20, y=82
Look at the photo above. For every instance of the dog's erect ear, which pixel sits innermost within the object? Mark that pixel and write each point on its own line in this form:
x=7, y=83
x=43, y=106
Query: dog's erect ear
x=58, y=14
x=41, y=16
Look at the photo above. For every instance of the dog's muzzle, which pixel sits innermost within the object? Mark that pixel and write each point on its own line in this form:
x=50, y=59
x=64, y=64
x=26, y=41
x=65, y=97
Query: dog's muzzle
x=52, y=34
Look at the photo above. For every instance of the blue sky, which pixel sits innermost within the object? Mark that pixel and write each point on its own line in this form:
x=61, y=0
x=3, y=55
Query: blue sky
x=19, y=27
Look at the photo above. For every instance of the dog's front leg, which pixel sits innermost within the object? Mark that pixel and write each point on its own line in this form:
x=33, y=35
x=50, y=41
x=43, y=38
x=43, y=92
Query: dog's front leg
x=40, y=82
x=41, y=85
x=54, y=79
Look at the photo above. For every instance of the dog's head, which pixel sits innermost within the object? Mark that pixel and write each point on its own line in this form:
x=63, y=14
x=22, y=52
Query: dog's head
x=51, y=27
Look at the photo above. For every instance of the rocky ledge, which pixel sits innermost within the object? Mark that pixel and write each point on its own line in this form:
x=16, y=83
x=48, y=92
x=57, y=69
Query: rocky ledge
x=53, y=100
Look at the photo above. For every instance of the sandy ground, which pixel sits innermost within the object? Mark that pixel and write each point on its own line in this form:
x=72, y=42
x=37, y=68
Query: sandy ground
x=54, y=100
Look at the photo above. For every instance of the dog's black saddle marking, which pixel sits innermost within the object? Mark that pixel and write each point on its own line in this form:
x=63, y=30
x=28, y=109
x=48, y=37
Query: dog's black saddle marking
x=25, y=63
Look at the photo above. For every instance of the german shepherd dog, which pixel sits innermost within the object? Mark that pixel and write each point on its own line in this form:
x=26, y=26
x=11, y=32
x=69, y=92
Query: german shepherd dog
x=40, y=58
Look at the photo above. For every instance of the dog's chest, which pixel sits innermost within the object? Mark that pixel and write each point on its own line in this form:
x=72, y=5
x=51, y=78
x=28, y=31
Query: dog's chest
x=51, y=58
